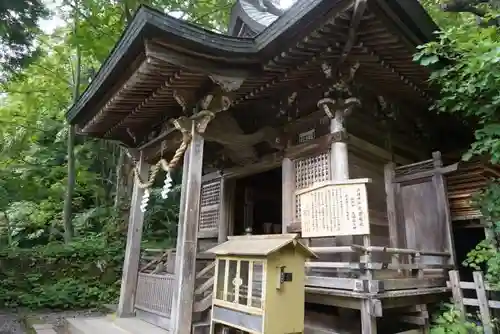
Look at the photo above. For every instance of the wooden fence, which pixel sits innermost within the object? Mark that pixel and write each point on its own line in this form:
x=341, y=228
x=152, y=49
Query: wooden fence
x=481, y=301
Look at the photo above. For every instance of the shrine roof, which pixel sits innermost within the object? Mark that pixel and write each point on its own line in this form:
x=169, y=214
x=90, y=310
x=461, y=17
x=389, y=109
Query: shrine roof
x=160, y=57
x=259, y=245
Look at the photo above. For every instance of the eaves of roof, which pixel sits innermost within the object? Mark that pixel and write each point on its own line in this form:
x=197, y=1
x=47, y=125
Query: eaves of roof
x=411, y=19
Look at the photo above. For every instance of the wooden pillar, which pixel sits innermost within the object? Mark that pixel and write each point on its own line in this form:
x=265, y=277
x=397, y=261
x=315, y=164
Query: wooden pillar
x=389, y=174
x=368, y=320
x=288, y=194
x=133, y=247
x=339, y=163
x=180, y=231
x=248, y=208
x=443, y=205
x=339, y=153
x=229, y=205
x=189, y=219
x=225, y=213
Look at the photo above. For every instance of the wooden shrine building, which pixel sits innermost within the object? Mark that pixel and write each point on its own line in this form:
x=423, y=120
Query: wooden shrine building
x=325, y=91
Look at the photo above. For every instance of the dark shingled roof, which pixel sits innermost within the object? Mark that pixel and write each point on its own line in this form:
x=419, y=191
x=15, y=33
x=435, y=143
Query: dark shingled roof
x=158, y=54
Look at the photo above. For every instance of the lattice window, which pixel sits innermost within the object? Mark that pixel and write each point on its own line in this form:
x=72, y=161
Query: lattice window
x=306, y=136
x=210, y=203
x=240, y=282
x=309, y=171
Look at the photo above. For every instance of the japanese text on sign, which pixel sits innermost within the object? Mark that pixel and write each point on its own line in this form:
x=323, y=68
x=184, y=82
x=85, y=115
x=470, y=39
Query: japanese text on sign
x=335, y=209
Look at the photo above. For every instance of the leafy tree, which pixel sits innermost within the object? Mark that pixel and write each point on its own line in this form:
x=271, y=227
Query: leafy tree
x=18, y=29
x=34, y=160
x=465, y=60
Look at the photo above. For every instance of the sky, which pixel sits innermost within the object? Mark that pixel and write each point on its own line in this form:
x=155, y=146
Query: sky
x=49, y=25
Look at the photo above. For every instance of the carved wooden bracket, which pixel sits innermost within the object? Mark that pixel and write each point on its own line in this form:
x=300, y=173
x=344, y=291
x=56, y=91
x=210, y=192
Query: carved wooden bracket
x=228, y=84
x=339, y=136
x=333, y=107
x=216, y=102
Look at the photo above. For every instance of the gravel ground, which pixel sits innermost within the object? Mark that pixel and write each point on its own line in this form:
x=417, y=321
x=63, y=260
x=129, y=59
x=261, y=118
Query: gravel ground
x=10, y=322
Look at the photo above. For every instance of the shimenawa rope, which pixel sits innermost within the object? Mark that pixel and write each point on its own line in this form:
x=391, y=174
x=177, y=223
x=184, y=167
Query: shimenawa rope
x=164, y=164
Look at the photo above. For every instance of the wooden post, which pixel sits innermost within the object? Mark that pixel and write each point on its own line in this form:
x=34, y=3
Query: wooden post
x=368, y=320
x=456, y=291
x=231, y=198
x=443, y=205
x=248, y=208
x=133, y=247
x=227, y=192
x=484, y=308
x=391, y=205
x=340, y=168
x=180, y=231
x=288, y=194
x=189, y=219
x=339, y=163
x=339, y=153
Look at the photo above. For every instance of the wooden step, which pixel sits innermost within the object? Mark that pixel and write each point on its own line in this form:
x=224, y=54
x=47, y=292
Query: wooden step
x=108, y=325
x=201, y=328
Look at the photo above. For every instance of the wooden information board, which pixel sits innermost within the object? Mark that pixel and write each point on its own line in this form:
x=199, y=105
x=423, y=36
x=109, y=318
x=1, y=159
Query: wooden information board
x=335, y=208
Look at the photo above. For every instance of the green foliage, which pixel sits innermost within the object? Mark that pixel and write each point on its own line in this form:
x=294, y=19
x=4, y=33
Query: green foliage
x=18, y=29
x=464, y=59
x=81, y=274
x=36, y=269
x=33, y=152
x=485, y=256
x=451, y=321
x=161, y=219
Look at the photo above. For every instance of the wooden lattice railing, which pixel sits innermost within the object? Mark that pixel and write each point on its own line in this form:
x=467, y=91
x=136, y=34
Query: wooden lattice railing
x=156, y=282
x=481, y=301
x=395, y=269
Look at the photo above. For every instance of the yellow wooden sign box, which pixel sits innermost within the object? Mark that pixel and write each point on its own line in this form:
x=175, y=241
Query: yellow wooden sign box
x=259, y=284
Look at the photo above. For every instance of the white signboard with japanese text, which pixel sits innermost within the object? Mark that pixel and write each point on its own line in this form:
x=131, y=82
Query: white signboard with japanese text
x=335, y=208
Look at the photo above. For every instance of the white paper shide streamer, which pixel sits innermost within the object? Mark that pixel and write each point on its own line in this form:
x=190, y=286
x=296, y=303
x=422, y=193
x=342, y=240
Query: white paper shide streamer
x=167, y=186
x=145, y=199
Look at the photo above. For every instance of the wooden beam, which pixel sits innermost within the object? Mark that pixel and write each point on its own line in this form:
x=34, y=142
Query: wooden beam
x=133, y=247
x=189, y=220
x=361, y=144
x=158, y=139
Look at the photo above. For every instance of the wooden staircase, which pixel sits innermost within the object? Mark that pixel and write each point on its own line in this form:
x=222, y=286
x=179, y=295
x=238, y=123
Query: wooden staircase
x=203, y=295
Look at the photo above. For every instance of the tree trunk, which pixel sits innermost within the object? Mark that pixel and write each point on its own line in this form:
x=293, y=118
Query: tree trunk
x=68, y=200
x=120, y=184
x=9, y=229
